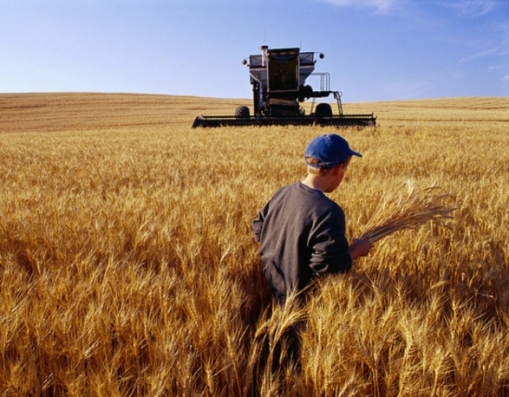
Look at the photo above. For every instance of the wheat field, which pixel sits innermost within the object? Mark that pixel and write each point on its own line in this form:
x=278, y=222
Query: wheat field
x=128, y=266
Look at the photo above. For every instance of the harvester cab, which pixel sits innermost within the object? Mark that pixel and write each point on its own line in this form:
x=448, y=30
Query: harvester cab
x=278, y=77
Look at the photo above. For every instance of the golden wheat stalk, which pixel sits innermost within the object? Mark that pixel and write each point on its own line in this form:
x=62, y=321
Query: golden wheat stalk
x=412, y=212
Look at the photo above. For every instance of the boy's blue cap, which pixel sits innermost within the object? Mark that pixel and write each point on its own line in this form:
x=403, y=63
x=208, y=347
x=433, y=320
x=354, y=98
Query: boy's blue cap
x=330, y=150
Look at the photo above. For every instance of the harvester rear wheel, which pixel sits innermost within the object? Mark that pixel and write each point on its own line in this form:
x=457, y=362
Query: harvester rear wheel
x=242, y=112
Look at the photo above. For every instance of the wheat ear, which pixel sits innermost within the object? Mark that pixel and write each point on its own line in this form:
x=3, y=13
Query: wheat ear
x=412, y=212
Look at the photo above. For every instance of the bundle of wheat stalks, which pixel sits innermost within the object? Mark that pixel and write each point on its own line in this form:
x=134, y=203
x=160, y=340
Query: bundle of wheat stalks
x=411, y=212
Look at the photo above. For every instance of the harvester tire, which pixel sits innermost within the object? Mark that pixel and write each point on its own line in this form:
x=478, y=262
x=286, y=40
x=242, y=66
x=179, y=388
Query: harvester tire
x=242, y=112
x=323, y=110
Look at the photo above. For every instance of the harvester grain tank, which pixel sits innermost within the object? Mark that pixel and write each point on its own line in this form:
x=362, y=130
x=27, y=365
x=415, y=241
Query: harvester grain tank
x=278, y=77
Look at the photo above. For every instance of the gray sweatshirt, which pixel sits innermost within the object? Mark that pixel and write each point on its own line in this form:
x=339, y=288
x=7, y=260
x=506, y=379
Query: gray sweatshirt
x=301, y=234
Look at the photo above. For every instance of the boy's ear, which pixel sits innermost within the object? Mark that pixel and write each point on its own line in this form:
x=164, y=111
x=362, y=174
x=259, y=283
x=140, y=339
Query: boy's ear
x=337, y=168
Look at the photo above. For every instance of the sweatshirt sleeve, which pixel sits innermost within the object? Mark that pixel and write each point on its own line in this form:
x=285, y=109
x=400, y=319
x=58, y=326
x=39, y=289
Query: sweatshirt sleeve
x=330, y=246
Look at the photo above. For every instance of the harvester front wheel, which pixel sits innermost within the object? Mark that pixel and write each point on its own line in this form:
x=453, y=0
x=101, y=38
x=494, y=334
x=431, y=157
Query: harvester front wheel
x=323, y=110
x=242, y=112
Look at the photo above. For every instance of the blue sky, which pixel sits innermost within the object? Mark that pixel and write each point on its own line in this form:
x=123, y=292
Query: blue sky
x=375, y=50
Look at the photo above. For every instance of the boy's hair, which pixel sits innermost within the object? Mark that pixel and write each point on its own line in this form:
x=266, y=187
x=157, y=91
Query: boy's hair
x=316, y=171
x=323, y=168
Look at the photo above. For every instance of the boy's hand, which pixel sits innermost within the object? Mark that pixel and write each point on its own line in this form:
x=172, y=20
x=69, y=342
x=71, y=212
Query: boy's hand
x=360, y=247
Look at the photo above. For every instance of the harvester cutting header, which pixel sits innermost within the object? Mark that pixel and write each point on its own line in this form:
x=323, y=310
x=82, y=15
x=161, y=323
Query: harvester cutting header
x=278, y=77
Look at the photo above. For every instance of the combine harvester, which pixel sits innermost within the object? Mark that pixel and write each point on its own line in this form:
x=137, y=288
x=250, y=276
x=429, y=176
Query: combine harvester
x=278, y=77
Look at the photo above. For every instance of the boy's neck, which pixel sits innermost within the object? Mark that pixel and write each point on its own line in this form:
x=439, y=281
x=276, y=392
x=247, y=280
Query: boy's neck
x=316, y=182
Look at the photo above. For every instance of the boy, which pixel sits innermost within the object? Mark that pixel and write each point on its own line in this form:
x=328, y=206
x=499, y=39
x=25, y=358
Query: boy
x=301, y=231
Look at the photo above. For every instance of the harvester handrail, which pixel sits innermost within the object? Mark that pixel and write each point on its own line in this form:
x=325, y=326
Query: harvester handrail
x=324, y=80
